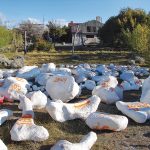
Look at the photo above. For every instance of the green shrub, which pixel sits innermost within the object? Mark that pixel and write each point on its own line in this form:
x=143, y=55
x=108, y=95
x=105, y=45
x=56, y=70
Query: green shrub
x=43, y=45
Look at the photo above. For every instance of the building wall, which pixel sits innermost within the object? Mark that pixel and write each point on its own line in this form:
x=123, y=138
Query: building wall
x=86, y=32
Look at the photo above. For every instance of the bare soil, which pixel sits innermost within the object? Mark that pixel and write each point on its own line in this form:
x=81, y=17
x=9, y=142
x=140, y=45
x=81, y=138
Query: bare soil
x=135, y=137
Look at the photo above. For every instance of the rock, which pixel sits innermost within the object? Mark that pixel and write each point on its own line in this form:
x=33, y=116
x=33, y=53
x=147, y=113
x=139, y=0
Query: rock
x=17, y=62
x=139, y=60
x=89, y=84
x=35, y=88
x=5, y=62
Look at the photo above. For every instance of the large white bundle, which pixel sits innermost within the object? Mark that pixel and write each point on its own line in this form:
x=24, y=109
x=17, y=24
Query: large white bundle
x=42, y=78
x=4, y=115
x=108, y=81
x=107, y=95
x=85, y=144
x=89, y=84
x=50, y=67
x=62, y=88
x=38, y=99
x=145, y=97
x=104, y=121
x=137, y=111
x=61, y=112
x=28, y=72
x=13, y=87
x=2, y=145
x=25, y=129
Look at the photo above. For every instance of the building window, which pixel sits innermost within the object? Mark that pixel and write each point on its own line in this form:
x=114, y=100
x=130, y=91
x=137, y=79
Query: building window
x=94, y=29
x=89, y=36
x=88, y=28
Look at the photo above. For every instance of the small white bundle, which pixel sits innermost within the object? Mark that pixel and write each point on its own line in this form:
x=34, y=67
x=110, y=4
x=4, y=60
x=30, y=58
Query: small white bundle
x=25, y=129
x=137, y=111
x=104, y=121
x=61, y=87
x=145, y=97
x=28, y=72
x=107, y=95
x=2, y=145
x=61, y=112
x=85, y=144
x=89, y=84
x=50, y=67
x=4, y=115
x=37, y=99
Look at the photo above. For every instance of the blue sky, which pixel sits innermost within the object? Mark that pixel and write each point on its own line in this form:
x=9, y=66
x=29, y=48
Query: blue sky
x=65, y=10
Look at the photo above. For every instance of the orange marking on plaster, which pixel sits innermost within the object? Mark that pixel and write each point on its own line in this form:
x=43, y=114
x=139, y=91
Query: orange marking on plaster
x=15, y=87
x=137, y=106
x=103, y=128
x=58, y=79
x=82, y=104
x=25, y=119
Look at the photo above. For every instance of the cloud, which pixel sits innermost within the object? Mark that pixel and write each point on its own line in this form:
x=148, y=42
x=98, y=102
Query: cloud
x=2, y=18
x=61, y=22
x=34, y=20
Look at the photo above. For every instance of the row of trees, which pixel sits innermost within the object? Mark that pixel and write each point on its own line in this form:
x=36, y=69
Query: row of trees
x=129, y=29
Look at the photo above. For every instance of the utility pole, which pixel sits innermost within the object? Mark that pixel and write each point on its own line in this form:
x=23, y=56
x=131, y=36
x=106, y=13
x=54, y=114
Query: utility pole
x=25, y=42
x=74, y=38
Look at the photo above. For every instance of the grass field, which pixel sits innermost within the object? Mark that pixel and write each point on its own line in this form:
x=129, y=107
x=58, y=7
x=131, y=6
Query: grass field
x=64, y=57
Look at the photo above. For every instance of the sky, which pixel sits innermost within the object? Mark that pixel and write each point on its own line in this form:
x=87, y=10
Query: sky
x=14, y=11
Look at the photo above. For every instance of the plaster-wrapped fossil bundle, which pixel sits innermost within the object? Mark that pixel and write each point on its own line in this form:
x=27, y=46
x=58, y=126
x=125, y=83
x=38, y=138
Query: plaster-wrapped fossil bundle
x=85, y=144
x=4, y=115
x=145, y=97
x=25, y=129
x=12, y=87
x=61, y=87
x=2, y=145
x=28, y=72
x=37, y=99
x=61, y=112
x=137, y=111
x=104, y=121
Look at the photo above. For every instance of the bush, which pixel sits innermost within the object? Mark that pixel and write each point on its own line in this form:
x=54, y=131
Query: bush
x=138, y=40
x=43, y=45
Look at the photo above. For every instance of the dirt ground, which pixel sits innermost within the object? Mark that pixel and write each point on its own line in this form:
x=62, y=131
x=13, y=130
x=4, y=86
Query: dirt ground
x=135, y=137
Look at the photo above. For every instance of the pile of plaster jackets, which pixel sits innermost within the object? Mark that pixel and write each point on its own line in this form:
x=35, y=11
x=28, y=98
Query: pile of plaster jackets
x=53, y=89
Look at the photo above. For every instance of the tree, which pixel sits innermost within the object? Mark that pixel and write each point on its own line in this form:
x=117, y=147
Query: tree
x=5, y=37
x=34, y=31
x=55, y=30
x=127, y=19
x=17, y=40
x=139, y=39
